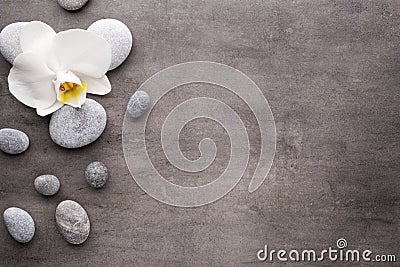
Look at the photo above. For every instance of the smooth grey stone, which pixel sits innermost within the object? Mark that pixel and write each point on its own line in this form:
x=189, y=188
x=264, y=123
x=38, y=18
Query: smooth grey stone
x=76, y=127
x=96, y=174
x=72, y=222
x=10, y=46
x=13, y=141
x=118, y=35
x=72, y=5
x=138, y=104
x=19, y=224
x=47, y=185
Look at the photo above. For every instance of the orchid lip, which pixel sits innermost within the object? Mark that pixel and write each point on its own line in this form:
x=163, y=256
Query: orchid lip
x=69, y=88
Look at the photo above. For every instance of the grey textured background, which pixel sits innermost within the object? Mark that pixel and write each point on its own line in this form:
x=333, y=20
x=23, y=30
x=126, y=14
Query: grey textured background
x=330, y=71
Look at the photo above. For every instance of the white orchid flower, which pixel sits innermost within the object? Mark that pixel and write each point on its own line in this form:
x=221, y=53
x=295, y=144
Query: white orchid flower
x=57, y=69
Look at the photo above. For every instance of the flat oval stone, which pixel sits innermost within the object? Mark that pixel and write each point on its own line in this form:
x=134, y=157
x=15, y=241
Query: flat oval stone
x=138, y=104
x=10, y=47
x=72, y=222
x=72, y=5
x=19, y=224
x=96, y=174
x=118, y=35
x=13, y=141
x=47, y=185
x=76, y=127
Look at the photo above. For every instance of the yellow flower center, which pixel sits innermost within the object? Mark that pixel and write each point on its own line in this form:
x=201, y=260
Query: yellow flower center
x=70, y=90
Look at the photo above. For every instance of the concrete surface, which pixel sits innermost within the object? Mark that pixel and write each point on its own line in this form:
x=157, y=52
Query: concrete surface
x=330, y=71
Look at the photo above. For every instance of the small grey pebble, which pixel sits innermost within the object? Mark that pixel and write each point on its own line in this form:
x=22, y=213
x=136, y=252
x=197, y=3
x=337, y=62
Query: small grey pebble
x=96, y=174
x=19, y=224
x=72, y=222
x=76, y=127
x=118, y=35
x=10, y=47
x=72, y=5
x=13, y=141
x=47, y=185
x=138, y=104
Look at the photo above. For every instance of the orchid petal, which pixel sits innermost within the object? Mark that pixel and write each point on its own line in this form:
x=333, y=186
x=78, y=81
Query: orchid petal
x=30, y=81
x=96, y=86
x=46, y=111
x=83, y=51
x=38, y=37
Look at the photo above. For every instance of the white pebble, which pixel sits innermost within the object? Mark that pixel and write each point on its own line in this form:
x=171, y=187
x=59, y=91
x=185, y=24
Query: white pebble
x=118, y=35
x=47, y=184
x=19, y=224
x=10, y=47
x=72, y=5
x=13, y=141
x=138, y=104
